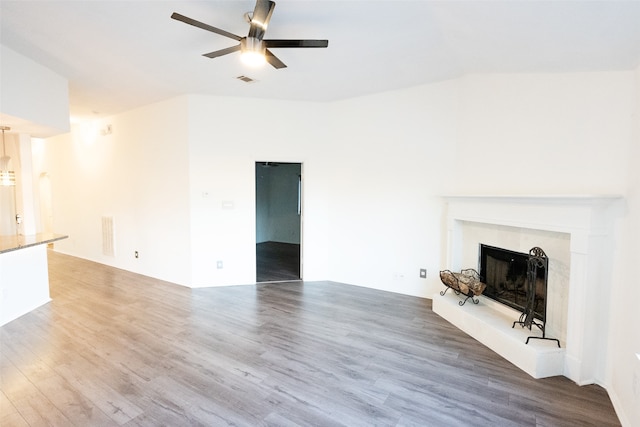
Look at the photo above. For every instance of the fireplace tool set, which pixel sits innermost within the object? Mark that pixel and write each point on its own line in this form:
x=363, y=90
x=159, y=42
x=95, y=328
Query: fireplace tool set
x=537, y=260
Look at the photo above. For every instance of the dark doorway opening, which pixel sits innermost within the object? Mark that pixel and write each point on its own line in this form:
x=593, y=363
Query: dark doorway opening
x=278, y=221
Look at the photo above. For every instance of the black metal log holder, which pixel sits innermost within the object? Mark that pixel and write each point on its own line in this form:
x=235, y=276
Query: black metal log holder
x=462, y=283
x=537, y=260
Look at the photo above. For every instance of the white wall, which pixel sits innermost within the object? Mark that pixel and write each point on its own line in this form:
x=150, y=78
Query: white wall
x=373, y=171
x=624, y=366
x=227, y=136
x=554, y=134
x=390, y=156
x=139, y=175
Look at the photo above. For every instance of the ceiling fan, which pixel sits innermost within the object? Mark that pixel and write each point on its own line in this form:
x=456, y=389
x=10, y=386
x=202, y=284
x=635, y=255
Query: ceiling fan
x=254, y=48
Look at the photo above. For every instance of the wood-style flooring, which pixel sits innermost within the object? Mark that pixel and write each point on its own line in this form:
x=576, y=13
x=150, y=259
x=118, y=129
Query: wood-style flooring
x=115, y=348
x=277, y=262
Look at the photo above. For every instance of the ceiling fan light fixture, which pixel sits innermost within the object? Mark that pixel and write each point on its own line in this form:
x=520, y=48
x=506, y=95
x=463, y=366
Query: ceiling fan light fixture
x=253, y=59
x=254, y=49
x=252, y=52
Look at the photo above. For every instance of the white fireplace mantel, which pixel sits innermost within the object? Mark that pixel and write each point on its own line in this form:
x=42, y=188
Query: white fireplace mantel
x=588, y=219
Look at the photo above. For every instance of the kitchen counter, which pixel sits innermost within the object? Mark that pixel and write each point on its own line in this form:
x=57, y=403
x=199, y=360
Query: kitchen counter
x=24, y=274
x=14, y=243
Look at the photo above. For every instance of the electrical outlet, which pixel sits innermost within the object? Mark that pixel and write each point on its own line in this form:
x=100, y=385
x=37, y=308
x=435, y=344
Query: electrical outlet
x=423, y=273
x=219, y=265
x=135, y=254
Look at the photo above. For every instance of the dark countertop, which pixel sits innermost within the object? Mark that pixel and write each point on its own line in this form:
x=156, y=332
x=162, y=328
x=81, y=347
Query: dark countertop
x=14, y=243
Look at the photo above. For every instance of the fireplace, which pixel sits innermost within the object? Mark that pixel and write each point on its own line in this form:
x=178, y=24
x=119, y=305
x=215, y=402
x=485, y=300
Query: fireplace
x=505, y=274
x=576, y=233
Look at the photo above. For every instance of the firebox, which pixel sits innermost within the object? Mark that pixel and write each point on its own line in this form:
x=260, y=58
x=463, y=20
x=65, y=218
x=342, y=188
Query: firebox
x=505, y=274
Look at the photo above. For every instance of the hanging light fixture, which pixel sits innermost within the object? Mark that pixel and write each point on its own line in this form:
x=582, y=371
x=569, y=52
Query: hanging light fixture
x=7, y=177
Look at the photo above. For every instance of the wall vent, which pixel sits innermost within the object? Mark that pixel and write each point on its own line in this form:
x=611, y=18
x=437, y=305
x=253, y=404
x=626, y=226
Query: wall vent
x=108, y=246
x=246, y=79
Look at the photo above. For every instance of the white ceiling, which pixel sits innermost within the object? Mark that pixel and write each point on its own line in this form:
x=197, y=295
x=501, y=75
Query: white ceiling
x=119, y=55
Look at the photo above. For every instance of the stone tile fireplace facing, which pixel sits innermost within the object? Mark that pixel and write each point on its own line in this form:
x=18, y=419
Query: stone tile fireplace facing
x=578, y=234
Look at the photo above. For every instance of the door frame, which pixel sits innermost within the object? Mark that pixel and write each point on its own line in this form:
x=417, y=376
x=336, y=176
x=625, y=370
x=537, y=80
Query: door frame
x=301, y=197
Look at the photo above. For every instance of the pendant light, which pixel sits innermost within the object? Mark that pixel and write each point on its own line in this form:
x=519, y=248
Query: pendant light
x=7, y=177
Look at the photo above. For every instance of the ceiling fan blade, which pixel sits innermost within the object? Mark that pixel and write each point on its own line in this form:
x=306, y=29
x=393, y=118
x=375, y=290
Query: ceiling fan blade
x=221, y=52
x=204, y=26
x=260, y=18
x=273, y=60
x=296, y=43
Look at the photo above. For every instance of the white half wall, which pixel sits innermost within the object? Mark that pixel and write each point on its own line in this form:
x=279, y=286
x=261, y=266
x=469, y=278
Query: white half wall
x=24, y=282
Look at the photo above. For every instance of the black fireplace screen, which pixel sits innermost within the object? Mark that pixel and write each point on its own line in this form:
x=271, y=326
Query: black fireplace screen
x=505, y=274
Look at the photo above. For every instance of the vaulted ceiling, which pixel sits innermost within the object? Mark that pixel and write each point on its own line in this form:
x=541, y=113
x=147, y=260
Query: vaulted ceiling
x=119, y=55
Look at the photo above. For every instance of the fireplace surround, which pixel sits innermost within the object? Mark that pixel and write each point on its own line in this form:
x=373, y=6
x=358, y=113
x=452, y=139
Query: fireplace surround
x=586, y=223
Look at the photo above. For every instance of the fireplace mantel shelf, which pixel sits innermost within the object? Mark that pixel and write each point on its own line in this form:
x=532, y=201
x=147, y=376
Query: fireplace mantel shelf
x=567, y=198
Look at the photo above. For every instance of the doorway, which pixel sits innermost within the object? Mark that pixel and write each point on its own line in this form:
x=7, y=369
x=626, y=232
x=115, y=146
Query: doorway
x=278, y=221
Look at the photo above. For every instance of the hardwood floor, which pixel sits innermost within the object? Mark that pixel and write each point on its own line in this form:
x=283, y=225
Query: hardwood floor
x=276, y=261
x=116, y=348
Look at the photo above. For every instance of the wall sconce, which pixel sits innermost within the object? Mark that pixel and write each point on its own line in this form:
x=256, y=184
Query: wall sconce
x=7, y=177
